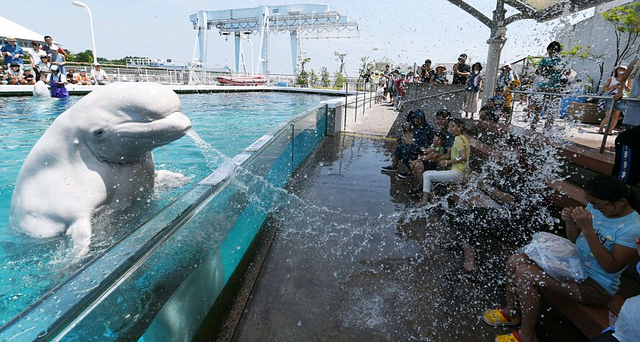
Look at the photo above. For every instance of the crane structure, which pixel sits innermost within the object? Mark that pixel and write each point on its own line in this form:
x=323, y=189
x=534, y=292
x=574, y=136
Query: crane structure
x=302, y=21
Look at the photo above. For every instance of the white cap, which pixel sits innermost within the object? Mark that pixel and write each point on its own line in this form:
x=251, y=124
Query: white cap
x=54, y=68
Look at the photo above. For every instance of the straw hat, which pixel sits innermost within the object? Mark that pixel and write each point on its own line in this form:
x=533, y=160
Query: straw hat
x=441, y=66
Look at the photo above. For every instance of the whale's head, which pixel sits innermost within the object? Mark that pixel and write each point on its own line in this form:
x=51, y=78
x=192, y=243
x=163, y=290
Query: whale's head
x=123, y=122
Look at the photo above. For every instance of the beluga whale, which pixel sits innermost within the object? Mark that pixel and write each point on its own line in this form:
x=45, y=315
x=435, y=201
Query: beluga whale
x=94, y=159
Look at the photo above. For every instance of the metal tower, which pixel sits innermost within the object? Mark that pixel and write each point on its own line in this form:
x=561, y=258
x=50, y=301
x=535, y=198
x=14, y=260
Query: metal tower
x=301, y=21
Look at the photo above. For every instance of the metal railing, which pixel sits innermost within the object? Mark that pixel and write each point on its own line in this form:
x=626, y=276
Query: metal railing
x=608, y=114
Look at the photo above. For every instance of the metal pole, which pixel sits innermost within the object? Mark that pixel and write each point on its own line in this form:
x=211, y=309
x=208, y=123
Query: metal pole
x=606, y=128
x=355, y=113
x=364, y=93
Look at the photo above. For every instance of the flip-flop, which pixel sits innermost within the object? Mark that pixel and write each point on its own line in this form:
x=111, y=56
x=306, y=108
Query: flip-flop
x=498, y=318
x=512, y=337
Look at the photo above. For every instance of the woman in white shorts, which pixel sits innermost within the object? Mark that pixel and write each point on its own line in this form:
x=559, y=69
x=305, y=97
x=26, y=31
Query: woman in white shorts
x=457, y=162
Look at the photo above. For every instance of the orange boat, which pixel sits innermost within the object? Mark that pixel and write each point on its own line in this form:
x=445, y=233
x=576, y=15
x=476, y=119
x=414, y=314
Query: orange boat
x=242, y=80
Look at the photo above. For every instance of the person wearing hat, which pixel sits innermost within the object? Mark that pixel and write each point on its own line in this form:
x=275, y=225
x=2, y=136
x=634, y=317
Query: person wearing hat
x=57, y=82
x=549, y=79
x=11, y=52
x=58, y=59
x=614, y=85
x=98, y=76
x=440, y=77
x=461, y=70
x=83, y=78
x=42, y=67
x=27, y=76
x=14, y=74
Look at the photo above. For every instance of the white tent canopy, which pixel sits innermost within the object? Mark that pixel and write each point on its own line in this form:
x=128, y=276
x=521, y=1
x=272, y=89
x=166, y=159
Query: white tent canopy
x=22, y=34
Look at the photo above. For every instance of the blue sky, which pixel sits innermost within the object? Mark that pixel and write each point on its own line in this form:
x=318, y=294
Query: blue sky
x=406, y=31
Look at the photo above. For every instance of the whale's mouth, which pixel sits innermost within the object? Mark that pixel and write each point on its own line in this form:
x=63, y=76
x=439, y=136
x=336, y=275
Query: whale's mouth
x=130, y=142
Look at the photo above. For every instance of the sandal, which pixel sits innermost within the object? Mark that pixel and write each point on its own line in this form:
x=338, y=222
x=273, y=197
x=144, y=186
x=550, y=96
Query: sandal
x=499, y=318
x=512, y=337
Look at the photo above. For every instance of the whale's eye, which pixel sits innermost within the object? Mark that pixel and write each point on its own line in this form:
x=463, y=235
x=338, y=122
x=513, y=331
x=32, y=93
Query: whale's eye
x=98, y=132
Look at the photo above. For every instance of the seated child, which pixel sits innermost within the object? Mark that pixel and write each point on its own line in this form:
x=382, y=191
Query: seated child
x=429, y=158
x=495, y=107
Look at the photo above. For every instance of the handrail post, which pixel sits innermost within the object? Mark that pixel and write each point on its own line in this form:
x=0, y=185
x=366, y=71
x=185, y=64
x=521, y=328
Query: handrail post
x=364, y=93
x=606, y=127
x=355, y=108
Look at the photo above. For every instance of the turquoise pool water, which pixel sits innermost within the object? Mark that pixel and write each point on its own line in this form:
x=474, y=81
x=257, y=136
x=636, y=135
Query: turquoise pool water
x=227, y=123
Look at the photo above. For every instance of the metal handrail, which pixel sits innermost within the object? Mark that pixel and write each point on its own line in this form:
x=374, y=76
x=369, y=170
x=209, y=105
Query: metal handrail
x=590, y=96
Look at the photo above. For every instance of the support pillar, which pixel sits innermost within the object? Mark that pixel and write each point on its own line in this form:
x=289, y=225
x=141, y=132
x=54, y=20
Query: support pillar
x=202, y=26
x=496, y=42
x=294, y=51
x=237, y=50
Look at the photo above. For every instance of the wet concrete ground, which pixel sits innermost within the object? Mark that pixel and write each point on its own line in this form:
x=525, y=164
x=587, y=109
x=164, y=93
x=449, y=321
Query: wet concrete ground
x=352, y=262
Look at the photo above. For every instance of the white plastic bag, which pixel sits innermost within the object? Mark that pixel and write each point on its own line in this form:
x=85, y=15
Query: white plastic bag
x=557, y=256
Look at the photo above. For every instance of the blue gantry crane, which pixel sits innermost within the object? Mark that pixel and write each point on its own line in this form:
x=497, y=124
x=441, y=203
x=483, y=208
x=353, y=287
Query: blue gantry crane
x=302, y=21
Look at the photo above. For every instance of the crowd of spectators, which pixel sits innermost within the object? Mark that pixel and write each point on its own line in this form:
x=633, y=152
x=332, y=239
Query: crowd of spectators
x=47, y=63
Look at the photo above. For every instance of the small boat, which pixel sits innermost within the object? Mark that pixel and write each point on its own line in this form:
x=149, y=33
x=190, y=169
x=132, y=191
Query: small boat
x=242, y=80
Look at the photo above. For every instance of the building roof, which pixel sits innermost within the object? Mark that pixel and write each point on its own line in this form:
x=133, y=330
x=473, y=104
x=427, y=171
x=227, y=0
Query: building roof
x=545, y=10
x=10, y=29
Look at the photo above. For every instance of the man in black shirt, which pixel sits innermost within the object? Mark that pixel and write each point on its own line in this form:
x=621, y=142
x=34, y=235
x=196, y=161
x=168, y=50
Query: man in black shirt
x=461, y=70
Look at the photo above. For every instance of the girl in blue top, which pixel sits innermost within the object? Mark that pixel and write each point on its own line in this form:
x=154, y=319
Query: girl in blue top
x=604, y=231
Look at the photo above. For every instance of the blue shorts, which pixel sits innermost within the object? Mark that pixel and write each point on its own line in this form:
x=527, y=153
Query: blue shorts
x=620, y=105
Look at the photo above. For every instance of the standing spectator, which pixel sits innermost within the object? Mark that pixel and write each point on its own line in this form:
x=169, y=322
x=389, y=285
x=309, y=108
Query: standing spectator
x=461, y=70
x=42, y=67
x=367, y=79
x=508, y=81
x=439, y=77
x=11, y=52
x=83, y=78
x=410, y=75
x=387, y=79
x=58, y=59
x=550, y=73
x=612, y=87
x=400, y=92
x=49, y=47
x=474, y=83
x=28, y=77
x=57, y=82
x=632, y=114
x=426, y=72
x=98, y=76
x=35, y=53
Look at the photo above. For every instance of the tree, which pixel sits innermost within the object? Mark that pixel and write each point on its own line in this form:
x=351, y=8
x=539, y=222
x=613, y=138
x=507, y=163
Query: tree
x=340, y=80
x=69, y=56
x=313, y=78
x=84, y=57
x=324, y=77
x=340, y=58
x=626, y=20
x=585, y=52
x=303, y=77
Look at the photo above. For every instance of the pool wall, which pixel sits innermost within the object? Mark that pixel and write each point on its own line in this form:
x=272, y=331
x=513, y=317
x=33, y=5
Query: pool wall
x=160, y=282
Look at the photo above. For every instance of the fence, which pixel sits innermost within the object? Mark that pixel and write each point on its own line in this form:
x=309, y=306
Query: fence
x=550, y=98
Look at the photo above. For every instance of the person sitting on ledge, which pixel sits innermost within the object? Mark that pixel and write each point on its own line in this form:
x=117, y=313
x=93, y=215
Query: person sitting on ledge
x=457, y=160
x=421, y=138
x=605, y=233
